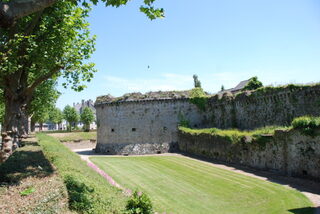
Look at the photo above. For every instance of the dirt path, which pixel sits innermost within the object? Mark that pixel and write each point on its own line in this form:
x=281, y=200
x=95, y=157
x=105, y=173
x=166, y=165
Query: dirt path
x=309, y=188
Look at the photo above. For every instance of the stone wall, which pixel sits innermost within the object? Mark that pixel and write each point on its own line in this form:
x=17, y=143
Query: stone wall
x=268, y=107
x=287, y=152
x=142, y=127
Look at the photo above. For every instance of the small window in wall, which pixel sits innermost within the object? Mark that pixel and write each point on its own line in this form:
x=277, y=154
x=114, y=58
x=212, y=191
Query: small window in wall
x=112, y=130
x=133, y=129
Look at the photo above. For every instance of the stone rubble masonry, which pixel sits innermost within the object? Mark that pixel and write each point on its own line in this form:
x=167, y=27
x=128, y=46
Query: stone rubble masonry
x=143, y=124
x=287, y=152
x=143, y=127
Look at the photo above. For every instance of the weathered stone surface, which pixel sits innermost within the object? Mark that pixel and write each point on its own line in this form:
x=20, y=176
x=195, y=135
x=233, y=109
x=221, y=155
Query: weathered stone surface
x=289, y=153
x=136, y=149
x=153, y=118
x=250, y=110
x=139, y=123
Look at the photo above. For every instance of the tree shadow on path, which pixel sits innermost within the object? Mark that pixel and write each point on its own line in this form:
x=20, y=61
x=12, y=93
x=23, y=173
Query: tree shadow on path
x=27, y=161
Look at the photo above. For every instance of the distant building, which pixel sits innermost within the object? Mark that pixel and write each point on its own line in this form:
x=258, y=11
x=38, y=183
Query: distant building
x=81, y=106
x=236, y=89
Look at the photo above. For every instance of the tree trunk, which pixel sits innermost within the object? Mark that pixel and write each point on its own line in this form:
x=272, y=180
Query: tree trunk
x=33, y=125
x=13, y=10
x=14, y=122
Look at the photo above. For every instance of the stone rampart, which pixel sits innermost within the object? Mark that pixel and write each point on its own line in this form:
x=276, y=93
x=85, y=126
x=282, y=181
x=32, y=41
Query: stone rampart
x=287, y=152
x=143, y=126
x=266, y=107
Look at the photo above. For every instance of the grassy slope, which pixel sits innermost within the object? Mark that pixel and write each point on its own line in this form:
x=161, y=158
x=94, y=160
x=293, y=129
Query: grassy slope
x=181, y=185
x=71, y=136
x=107, y=199
x=28, y=168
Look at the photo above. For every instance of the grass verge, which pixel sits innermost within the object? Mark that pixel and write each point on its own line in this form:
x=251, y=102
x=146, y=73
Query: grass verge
x=71, y=136
x=29, y=183
x=88, y=191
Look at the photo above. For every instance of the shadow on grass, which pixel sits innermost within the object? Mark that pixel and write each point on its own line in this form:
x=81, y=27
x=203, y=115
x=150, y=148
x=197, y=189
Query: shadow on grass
x=304, y=210
x=25, y=162
x=303, y=185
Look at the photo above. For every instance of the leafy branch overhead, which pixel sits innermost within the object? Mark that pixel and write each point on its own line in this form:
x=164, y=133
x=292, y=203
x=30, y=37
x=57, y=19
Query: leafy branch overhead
x=12, y=11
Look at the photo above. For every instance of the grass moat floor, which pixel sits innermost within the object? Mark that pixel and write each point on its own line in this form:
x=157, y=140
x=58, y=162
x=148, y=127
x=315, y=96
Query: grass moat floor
x=178, y=184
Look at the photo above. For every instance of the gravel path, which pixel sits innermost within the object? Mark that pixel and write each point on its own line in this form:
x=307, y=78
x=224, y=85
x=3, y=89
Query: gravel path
x=309, y=188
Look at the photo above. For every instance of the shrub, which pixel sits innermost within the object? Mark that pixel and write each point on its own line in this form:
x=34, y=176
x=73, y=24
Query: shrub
x=139, y=203
x=183, y=121
x=253, y=84
x=80, y=198
x=306, y=124
x=199, y=98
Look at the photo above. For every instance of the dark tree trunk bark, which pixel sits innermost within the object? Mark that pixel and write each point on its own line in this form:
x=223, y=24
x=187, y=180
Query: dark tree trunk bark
x=14, y=122
x=33, y=126
x=15, y=9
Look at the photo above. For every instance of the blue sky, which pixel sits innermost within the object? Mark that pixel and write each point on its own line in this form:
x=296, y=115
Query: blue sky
x=222, y=41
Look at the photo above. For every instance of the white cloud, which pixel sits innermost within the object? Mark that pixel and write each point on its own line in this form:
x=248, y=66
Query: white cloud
x=165, y=82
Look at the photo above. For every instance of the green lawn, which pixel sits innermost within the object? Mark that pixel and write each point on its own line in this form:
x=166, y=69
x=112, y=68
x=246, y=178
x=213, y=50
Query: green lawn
x=182, y=185
x=71, y=136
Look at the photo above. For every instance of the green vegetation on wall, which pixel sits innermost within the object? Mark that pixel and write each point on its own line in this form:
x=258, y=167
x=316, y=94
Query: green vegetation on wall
x=253, y=84
x=307, y=125
x=199, y=98
x=234, y=135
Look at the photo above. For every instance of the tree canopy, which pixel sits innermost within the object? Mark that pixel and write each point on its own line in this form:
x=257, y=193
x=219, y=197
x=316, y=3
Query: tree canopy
x=42, y=40
x=196, y=81
x=71, y=116
x=87, y=117
x=12, y=11
x=56, y=116
x=253, y=84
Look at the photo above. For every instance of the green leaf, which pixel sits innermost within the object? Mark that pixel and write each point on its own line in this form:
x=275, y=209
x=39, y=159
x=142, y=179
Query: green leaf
x=27, y=191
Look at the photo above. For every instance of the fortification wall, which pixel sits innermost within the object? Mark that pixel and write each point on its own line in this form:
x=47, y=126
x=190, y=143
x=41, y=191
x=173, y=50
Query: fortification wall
x=261, y=108
x=142, y=127
x=287, y=152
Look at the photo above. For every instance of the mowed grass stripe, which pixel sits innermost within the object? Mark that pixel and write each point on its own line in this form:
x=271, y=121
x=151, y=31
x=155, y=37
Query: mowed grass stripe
x=182, y=185
x=222, y=173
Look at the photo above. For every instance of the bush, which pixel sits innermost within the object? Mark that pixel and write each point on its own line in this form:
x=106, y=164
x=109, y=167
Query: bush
x=253, y=84
x=139, y=203
x=306, y=124
x=80, y=198
x=199, y=98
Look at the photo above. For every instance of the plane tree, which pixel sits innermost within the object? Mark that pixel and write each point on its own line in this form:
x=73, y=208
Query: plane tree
x=42, y=40
x=55, y=45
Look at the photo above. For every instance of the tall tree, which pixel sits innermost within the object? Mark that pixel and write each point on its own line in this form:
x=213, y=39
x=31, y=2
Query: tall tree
x=41, y=40
x=196, y=81
x=54, y=45
x=87, y=117
x=56, y=117
x=43, y=102
x=71, y=116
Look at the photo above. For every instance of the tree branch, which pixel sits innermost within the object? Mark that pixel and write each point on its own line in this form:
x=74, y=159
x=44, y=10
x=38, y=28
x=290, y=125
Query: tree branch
x=41, y=79
x=34, y=22
x=16, y=9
